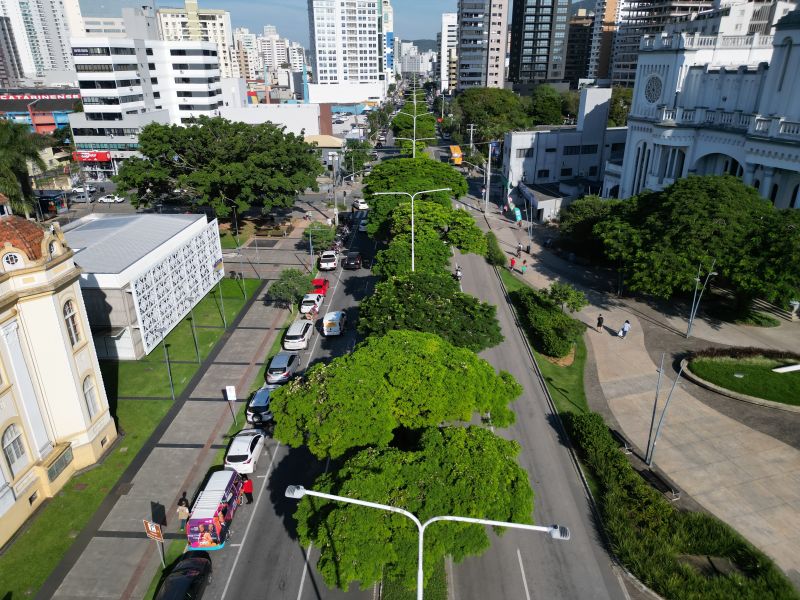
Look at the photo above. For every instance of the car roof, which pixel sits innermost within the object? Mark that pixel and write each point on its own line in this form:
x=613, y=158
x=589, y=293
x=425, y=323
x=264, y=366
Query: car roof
x=329, y=253
x=297, y=327
x=333, y=315
x=311, y=297
x=354, y=253
x=240, y=445
x=281, y=359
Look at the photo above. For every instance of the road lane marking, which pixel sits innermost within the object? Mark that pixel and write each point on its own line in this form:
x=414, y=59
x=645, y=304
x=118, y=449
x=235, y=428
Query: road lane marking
x=308, y=550
x=524, y=581
x=250, y=522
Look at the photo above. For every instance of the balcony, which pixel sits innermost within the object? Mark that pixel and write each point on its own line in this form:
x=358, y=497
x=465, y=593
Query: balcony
x=689, y=41
x=705, y=117
x=774, y=127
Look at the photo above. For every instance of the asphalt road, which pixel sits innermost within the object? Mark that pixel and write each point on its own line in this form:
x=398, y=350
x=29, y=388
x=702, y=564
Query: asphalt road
x=264, y=558
x=530, y=565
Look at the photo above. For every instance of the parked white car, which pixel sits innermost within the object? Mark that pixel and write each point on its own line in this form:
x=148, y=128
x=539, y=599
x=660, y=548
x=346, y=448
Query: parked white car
x=360, y=204
x=110, y=199
x=298, y=335
x=311, y=303
x=245, y=450
x=328, y=261
x=79, y=190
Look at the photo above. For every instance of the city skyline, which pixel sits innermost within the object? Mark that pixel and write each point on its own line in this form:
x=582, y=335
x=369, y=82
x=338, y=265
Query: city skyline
x=414, y=19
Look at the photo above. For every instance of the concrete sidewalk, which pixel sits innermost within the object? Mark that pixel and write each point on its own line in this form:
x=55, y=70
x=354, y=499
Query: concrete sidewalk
x=112, y=558
x=746, y=478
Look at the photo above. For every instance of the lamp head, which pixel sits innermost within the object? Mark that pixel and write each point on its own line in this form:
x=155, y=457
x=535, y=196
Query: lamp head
x=557, y=532
x=296, y=492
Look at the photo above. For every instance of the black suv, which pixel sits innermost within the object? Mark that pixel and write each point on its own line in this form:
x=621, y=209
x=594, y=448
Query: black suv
x=352, y=261
x=187, y=579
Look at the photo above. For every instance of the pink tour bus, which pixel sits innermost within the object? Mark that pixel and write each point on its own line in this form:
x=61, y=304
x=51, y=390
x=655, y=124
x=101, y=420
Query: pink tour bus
x=213, y=510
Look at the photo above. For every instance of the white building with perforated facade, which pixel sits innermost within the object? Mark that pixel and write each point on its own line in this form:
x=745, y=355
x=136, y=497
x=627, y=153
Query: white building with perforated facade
x=713, y=104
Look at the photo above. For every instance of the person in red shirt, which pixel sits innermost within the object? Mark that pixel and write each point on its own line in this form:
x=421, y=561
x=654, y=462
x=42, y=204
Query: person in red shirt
x=247, y=489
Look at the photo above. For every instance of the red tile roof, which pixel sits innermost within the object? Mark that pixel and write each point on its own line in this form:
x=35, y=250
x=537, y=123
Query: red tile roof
x=22, y=234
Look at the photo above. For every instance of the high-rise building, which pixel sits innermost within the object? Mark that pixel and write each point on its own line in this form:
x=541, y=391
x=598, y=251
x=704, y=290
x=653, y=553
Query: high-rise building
x=207, y=25
x=296, y=56
x=42, y=29
x=482, y=28
x=10, y=64
x=113, y=9
x=273, y=48
x=538, y=40
x=606, y=21
x=448, y=48
x=578, y=50
x=247, y=53
x=347, y=49
x=638, y=18
x=388, y=40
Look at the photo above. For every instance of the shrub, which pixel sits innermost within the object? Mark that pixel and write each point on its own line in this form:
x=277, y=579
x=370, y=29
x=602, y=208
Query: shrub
x=649, y=535
x=552, y=332
x=743, y=353
x=494, y=253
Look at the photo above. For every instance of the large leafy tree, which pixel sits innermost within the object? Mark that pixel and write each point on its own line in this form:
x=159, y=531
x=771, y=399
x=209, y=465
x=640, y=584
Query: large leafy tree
x=494, y=112
x=356, y=155
x=19, y=147
x=290, y=287
x=577, y=221
x=403, y=122
x=546, y=106
x=433, y=303
x=456, y=227
x=410, y=176
x=467, y=472
x=662, y=237
x=402, y=379
x=431, y=255
x=221, y=164
x=621, y=101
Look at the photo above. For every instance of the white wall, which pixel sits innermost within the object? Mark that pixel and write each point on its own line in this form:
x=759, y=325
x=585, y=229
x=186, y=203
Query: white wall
x=295, y=117
x=346, y=93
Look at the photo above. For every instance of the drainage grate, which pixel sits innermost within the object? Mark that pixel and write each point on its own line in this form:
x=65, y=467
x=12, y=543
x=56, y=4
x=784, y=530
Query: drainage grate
x=256, y=242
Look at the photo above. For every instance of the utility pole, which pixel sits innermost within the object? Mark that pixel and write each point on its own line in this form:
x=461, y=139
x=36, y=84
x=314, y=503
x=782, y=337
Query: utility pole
x=488, y=182
x=471, y=127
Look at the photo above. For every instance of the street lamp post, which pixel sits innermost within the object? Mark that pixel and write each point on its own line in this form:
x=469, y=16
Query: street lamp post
x=169, y=367
x=557, y=532
x=412, y=196
x=194, y=333
x=696, y=298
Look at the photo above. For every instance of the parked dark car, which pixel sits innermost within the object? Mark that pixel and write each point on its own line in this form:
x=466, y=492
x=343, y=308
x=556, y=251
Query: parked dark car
x=188, y=579
x=352, y=261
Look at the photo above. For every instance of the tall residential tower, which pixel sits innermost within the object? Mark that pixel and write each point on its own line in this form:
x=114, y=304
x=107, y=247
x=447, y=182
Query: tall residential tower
x=448, y=49
x=538, y=41
x=482, y=30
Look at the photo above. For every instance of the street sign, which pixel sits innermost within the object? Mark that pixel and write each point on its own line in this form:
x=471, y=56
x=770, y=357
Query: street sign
x=230, y=394
x=153, y=530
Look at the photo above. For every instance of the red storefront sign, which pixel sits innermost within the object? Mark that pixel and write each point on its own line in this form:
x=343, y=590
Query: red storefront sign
x=86, y=156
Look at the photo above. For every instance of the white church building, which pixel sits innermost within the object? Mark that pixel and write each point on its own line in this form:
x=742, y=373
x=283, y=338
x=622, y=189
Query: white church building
x=717, y=94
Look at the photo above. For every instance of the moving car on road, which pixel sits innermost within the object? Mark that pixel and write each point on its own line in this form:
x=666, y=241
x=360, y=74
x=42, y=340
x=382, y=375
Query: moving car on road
x=110, y=199
x=360, y=204
x=334, y=323
x=188, y=578
x=298, y=334
x=80, y=189
x=245, y=450
x=311, y=303
x=352, y=261
x=282, y=367
x=328, y=261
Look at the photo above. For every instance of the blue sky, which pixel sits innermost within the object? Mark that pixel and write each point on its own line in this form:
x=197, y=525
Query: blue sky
x=414, y=19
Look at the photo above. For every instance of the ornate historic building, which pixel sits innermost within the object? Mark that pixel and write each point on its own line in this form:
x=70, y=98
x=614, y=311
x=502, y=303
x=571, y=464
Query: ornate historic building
x=54, y=416
x=712, y=104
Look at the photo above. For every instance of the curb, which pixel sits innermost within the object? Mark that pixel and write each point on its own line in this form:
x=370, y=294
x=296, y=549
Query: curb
x=735, y=395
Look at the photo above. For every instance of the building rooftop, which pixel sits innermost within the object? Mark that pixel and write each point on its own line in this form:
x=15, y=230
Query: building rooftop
x=23, y=234
x=111, y=244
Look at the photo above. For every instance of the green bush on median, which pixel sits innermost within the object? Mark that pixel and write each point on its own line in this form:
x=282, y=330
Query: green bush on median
x=668, y=549
x=494, y=253
x=551, y=331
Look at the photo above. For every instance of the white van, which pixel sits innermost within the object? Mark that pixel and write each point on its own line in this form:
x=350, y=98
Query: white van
x=334, y=323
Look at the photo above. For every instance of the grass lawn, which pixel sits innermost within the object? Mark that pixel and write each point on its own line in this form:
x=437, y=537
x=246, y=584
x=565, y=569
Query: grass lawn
x=148, y=377
x=246, y=230
x=28, y=562
x=757, y=377
x=566, y=383
x=436, y=589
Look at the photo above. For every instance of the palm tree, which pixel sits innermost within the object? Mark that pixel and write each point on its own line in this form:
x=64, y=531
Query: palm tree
x=18, y=148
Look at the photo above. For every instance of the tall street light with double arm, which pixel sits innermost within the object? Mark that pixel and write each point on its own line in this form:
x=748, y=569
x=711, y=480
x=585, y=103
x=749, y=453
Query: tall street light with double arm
x=412, y=196
x=557, y=532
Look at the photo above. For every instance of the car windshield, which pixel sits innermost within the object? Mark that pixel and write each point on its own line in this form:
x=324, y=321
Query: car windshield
x=328, y=258
x=236, y=458
x=352, y=256
x=277, y=370
x=261, y=399
x=295, y=336
x=309, y=302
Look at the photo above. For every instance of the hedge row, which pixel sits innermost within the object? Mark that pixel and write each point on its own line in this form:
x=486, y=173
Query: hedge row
x=648, y=534
x=743, y=353
x=551, y=331
x=494, y=253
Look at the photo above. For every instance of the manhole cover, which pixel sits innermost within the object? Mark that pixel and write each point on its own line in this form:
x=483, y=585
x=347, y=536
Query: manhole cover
x=259, y=243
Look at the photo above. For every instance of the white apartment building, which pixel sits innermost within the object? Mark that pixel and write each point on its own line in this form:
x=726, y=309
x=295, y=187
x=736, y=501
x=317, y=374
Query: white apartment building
x=720, y=103
x=448, y=48
x=347, y=50
x=42, y=29
x=388, y=41
x=483, y=37
x=247, y=53
x=296, y=56
x=208, y=25
x=128, y=83
x=273, y=48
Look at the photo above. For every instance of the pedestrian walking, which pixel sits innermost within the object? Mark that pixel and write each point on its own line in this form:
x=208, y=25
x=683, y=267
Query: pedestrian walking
x=247, y=488
x=524, y=267
x=183, y=500
x=626, y=327
x=183, y=515
x=600, y=322
x=519, y=249
x=513, y=263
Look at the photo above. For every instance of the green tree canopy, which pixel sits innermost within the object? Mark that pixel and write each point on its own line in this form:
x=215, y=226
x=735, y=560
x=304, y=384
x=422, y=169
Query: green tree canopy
x=18, y=147
x=411, y=176
x=546, y=106
x=662, y=237
x=431, y=255
x=493, y=111
x=221, y=164
x=621, y=101
x=577, y=221
x=456, y=227
x=402, y=379
x=567, y=296
x=432, y=303
x=356, y=155
x=291, y=286
x=468, y=472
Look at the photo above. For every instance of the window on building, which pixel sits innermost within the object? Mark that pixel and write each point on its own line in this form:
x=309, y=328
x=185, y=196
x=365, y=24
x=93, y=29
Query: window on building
x=11, y=260
x=71, y=320
x=90, y=396
x=14, y=449
x=543, y=173
x=571, y=150
x=566, y=172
